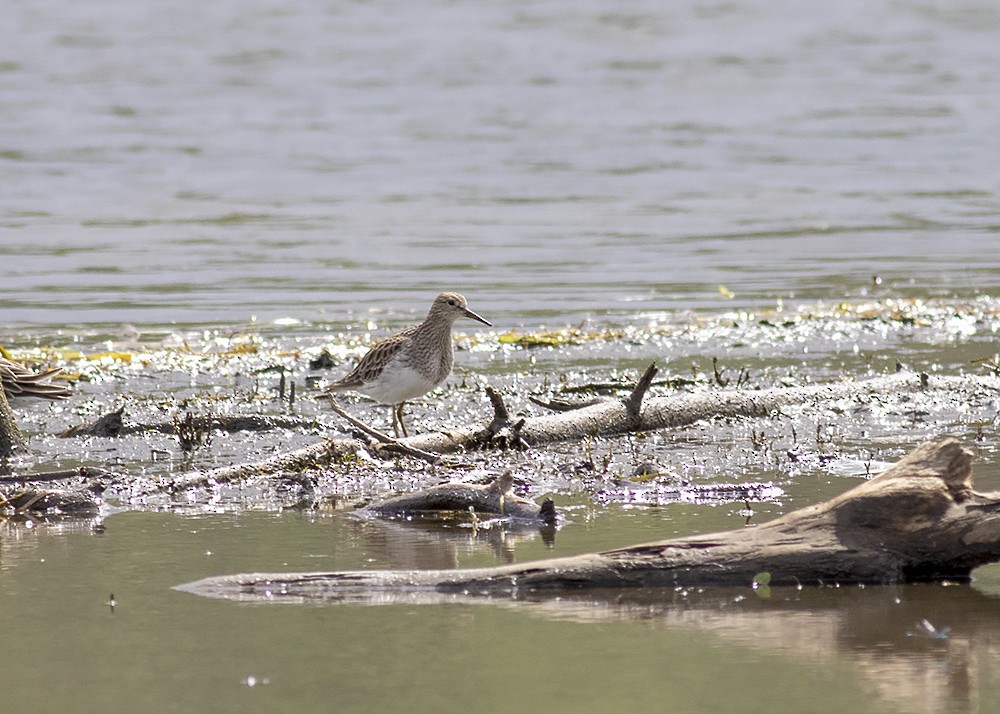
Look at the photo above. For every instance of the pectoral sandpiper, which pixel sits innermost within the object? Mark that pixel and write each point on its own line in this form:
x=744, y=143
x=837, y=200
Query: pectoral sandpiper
x=411, y=362
x=19, y=381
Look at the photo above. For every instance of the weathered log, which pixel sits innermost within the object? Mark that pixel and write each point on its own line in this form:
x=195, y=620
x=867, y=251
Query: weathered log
x=616, y=416
x=10, y=435
x=313, y=456
x=918, y=521
x=494, y=499
x=308, y=457
x=50, y=504
x=81, y=472
x=113, y=424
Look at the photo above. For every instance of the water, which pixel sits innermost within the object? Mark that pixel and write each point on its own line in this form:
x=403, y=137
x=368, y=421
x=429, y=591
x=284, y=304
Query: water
x=557, y=160
x=298, y=170
x=169, y=651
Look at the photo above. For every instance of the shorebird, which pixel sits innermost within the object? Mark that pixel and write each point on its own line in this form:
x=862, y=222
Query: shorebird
x=411, y=362
x=19, y=381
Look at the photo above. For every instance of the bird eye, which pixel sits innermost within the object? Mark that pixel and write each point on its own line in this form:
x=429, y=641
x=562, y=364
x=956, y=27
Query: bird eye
x=452, y=303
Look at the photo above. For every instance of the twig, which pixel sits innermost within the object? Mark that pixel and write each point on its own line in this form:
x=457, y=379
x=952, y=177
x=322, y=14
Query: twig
x=991, y=364
x=383, y=438
x=718, y=373
x=500, y=414
x=82, y=472
x=491, y=435
x=633, y=404
x=561, y=405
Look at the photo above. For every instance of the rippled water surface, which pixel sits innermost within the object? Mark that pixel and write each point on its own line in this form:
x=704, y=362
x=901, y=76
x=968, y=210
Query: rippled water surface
x=299, y=169
x=219, y=161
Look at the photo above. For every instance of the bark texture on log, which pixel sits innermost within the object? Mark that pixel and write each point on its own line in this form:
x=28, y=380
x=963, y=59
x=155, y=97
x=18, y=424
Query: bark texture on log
x=918, y=521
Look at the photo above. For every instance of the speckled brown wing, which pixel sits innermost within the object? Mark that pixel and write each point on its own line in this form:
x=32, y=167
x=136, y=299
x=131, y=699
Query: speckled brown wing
x=19, y=381
x=374, y=361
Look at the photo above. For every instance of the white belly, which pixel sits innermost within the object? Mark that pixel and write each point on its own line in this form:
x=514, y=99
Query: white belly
x=397, y=384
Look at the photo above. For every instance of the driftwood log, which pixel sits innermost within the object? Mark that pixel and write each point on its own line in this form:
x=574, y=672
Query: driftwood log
x=494, y=499
x=47, y=504
x=640, y=412
x=918, y=521
x=113, y=424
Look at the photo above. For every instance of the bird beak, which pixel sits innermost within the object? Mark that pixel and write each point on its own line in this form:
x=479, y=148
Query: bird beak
x=477, y=318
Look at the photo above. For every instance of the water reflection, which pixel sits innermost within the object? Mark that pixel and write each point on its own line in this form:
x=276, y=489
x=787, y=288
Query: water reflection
x=21, y=535
x=883, y=630
x=923, y=648
x=426, y=543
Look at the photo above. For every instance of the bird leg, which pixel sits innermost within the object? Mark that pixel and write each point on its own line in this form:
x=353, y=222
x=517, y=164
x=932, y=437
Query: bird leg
x=397, y=420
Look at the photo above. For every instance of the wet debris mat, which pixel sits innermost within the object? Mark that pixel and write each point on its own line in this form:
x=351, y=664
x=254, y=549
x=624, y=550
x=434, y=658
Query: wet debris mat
x=145, y=415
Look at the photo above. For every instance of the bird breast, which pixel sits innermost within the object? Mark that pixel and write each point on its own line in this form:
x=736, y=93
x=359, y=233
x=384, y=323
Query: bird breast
x=399, y=383
x=432, y=353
